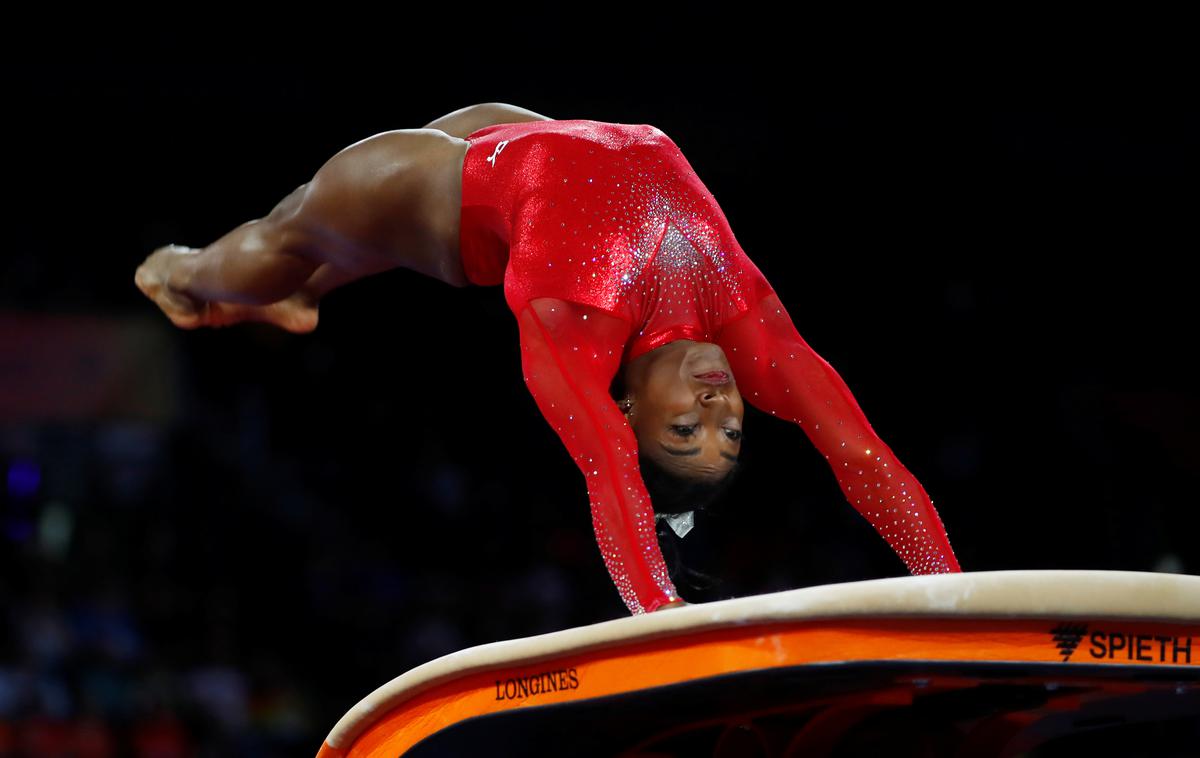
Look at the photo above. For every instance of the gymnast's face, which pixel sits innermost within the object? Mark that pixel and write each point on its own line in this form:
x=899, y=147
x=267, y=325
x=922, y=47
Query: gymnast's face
x=687, y=424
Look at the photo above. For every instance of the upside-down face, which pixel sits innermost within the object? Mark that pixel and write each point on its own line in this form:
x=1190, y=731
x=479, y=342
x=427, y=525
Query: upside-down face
x=685, y=408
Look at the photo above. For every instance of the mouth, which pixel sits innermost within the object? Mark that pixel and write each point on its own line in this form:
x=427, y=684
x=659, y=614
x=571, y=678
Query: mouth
x=713, y=377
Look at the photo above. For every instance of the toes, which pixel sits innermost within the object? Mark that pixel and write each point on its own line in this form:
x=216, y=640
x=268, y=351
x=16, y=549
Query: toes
x=145, y=281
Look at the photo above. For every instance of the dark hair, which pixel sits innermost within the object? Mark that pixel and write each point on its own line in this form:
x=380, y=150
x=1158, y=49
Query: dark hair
x=616, y=388
x=671, y=493
x=682, y=576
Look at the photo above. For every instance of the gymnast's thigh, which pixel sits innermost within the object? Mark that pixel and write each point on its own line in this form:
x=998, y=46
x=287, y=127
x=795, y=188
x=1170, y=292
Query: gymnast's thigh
x=397, y=195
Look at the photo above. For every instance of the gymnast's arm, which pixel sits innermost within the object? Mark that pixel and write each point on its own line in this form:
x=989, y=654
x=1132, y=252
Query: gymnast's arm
x=569, y=355
x=777, y=372
x=464, y=121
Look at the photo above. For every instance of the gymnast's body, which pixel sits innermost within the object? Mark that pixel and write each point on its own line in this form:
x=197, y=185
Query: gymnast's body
x=644, y=326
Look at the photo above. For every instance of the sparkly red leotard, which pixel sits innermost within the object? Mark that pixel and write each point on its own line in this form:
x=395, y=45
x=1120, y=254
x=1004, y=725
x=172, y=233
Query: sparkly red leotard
x=608, y=246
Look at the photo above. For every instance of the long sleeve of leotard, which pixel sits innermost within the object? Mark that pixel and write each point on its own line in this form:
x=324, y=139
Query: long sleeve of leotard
x=569, y=356
x=777, y=372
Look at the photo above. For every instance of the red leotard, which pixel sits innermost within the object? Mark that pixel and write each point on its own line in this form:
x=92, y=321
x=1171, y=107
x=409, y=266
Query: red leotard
x=608, y=246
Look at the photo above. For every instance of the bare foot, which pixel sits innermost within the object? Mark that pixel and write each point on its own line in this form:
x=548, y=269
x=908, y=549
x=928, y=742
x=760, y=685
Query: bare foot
x=152, y=278
x=295, y=314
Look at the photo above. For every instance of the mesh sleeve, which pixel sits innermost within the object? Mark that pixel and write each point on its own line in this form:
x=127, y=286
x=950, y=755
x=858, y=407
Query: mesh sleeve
x=569, y=355
x=777, y=372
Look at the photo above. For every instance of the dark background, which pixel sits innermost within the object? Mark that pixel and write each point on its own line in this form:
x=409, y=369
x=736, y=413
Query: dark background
x=216, y=542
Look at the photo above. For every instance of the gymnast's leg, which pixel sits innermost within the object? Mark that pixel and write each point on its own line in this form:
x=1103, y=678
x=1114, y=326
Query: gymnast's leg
x=297, y=313
x=389, y=201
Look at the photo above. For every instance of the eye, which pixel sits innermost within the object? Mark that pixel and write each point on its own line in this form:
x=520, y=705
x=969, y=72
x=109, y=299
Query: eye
x=734, y=434
x=683, y=431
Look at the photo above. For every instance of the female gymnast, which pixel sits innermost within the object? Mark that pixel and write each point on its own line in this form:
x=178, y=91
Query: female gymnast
x=618, y=265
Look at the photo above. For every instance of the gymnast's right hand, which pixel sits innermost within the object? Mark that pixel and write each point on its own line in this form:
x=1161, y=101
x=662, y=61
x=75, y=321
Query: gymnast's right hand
x=673, y=604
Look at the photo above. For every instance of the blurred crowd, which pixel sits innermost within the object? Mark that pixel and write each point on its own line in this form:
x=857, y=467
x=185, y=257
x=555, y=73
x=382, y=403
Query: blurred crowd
x=200, y=582
x=108, y=645
x=227, y=567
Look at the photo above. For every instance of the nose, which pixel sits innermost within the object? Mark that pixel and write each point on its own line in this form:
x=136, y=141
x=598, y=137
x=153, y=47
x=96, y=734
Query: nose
x=711, y=396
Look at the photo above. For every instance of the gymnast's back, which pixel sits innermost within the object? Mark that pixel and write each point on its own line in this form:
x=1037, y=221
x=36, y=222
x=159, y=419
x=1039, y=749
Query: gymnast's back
x=606, y=215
